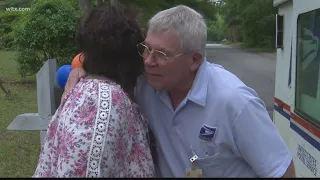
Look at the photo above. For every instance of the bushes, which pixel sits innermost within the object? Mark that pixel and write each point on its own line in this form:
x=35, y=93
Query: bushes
x=47, y=31
x=253, y=20
x=217, y=29
x=7, y=20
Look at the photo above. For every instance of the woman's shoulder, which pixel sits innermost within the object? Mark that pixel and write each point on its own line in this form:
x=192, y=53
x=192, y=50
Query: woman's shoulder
x=95, y=89
x=118, y=97
x=122, y=102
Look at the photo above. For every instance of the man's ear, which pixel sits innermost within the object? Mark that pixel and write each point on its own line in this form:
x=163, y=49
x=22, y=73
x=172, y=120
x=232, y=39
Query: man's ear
x=197, y=59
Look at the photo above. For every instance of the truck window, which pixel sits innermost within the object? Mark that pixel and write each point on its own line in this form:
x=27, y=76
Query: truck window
x=307, y=102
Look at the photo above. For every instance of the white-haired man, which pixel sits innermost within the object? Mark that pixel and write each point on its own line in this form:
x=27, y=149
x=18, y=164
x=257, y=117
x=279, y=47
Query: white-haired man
x=199, y=111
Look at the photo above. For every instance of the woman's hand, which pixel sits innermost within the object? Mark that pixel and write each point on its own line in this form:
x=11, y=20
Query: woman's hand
x=74, y=77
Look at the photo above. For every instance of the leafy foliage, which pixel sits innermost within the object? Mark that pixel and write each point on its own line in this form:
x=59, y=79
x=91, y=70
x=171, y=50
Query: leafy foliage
x=150, y=7
x=217, y=29
x=7, y=21
x=14, y=3
x=253, y=19
x=47, y=31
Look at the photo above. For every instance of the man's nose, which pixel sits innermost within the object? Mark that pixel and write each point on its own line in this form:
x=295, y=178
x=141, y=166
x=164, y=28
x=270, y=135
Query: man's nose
x=150, y=60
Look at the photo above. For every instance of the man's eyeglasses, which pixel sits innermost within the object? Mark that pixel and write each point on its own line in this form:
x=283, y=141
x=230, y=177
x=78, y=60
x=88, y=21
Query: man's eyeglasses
x=144, y=51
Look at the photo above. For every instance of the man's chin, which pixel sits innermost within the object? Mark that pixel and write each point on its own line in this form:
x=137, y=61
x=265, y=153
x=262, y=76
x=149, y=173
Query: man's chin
x=156, y=85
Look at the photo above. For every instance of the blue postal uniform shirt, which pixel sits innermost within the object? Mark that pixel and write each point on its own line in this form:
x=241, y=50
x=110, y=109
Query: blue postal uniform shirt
x=222, y=121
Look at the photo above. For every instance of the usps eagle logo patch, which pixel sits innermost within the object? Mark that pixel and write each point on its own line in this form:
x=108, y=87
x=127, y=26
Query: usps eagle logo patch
x=207, y=133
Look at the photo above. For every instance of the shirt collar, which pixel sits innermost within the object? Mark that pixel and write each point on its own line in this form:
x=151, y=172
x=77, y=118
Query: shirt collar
x=199, y=89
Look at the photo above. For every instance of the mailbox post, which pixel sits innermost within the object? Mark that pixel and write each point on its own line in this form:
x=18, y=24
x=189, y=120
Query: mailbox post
x=48, y=99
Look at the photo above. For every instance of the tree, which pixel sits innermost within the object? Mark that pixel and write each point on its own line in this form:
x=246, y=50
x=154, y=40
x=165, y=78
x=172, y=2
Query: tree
x=217, y=29
x=7, y=92
x=48, y=31
x=148, y=8
x=14, y=3
x=99, y=3
x=115, y=2
x=254, y=21
x=84, y=4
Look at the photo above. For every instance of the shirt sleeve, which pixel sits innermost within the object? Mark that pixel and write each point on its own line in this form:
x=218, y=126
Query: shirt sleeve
x=259, y=142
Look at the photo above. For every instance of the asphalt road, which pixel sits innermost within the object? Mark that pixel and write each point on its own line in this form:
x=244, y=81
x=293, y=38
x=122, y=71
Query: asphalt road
x=256, y=70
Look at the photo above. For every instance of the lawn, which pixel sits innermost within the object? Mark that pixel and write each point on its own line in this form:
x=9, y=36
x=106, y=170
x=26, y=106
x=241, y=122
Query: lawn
x=19, y=150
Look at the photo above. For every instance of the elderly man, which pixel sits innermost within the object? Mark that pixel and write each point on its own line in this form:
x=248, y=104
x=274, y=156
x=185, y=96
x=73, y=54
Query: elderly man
x=205, y=120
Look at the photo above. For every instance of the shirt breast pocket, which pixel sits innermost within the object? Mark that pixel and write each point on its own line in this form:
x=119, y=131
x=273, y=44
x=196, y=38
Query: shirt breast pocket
x=208, y=153
x=212, y=159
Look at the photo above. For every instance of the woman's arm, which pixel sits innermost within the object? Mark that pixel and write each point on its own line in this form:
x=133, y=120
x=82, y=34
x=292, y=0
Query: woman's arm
x=74, y=77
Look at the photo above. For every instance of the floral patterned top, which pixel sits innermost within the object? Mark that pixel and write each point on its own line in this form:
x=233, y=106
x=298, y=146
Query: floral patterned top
x=96, y=132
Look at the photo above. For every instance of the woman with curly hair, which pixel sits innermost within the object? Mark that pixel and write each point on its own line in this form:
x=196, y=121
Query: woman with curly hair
x=98, y=131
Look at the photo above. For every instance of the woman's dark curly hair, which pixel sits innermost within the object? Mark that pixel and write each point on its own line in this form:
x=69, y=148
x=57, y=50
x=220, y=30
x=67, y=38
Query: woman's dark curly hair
x=108, y=38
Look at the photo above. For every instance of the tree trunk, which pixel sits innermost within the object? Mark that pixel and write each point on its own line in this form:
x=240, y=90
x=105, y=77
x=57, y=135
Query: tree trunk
x=84, y=4
x=233, y=34
x=3, y=89
x=114, y=2
x=99, y=3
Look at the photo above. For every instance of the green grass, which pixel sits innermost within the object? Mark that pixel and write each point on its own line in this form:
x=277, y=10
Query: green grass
x=226, y=42
x=19, y=150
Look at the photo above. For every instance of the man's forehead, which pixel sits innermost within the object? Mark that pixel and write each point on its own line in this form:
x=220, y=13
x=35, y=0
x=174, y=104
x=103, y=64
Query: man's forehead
x=163, y=41
x=155, y=45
